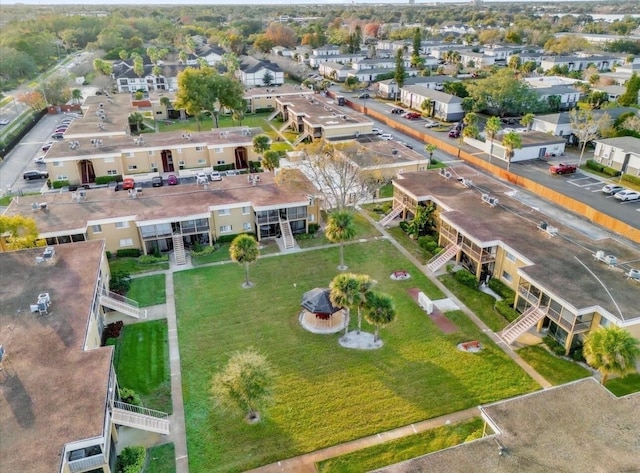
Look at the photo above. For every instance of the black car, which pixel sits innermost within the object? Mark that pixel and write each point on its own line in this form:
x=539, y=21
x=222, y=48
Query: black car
x=57, y=136
x=156, y=181
x=34, y=174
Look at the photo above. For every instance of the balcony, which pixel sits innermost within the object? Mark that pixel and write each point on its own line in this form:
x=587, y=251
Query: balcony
x=85, y=463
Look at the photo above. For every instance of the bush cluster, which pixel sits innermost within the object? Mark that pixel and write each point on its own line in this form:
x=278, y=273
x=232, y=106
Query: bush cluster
x=151, y=259
x=631, y=179
x=553, y=345
x=107, y=179
x=130, y=396
x=113, y=330
x=591, y=164
x=59, y=184
x=429, y=243
x=230, y=238
x=202, y=250
x=505, y=309
x=313, y=228
x=132, y=460
x=128, y=253
x=465, y=278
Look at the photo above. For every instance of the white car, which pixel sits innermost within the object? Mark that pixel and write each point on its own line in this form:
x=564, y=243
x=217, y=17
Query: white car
x=627, y=195
x=376, y=131
x=215, y=176
x=39, y=160
x=430, y=124
x=612, y=189
x=386, y=136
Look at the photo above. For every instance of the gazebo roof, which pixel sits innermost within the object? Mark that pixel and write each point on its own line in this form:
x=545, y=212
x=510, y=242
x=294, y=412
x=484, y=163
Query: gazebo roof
x=318, y=301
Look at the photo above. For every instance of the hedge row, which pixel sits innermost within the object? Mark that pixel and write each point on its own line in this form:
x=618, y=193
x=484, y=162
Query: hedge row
x=107, y=179
x=132, y=460
x=128, y=252
x=591, y=164
x=631, y=179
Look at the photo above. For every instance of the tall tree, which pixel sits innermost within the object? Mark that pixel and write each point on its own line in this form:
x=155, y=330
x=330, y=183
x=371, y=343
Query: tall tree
x=261, y=143
x=491, y=130
x=379, y=311
x=587, y=126
x=365, y=284
x=630, y=95
x=527, y=120
x=417, y=43
x=245, y=384
x=503, y=93
x=76, y=95
x=344, y=292
x=270, y=160
x=340, y=228
x=611, y=350
x=267, y=78
x=17, y=232
x=511, y=141
x=400, y=72
x=244, y=250
x=430, y=148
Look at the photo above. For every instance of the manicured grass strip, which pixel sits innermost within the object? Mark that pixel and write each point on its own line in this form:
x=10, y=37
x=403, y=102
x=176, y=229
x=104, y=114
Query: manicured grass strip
x=405, y=448
x=480, y=303
x=623, y=386
x=131, y=266
x=410, y=245
x=362, y=227
x=142, y=363
x=148, y=290
x=553, y=369
x=224, y=121
x=324, y=395
x=161, y=459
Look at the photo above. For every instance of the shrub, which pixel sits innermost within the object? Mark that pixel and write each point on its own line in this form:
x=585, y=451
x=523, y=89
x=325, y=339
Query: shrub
x=59, y=184
x=502, y=289
x=553, y=345
x=631, y=179
x=466, y=278
x=229, y=238
x=428, y=243
x=120, y=282
x=108, y=253
x=449, y=268
x=504, y=308
x=404, y=226
x=304, y=236
x=132, y=460
x=130, y=396
x=128, y=253
x=591, y=164
x=151, y=259
x=313, y=228
x=113, y=330
x=107, y=179
x=204, y=250
x=578, y=355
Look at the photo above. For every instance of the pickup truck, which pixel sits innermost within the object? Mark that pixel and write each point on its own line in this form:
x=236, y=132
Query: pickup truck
x=562, y=169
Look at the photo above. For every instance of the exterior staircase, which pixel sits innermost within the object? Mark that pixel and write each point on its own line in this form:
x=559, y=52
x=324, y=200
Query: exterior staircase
x=287, y=235
x=284, y=126
x=178, y=250
x=441, y=258
x=140, y=417
x=300, y=138
x=528, y=319
x=387, y=219
x=273, y=115
x=122, y=304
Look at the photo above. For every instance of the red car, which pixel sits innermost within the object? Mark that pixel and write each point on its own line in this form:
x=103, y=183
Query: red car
x=563, y=169
x=128, y=183
x=412, y=115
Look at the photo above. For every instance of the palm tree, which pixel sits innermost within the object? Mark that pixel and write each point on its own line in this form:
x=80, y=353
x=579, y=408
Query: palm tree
x=244, y=250
x=511, y=141
x=261, y=143
x=270, y=160
x=344, y=292
x=379, y=311
x=365, y=283
x=76, y=95
x=340, y=228
x=491, y=129
x=527, y=120
x=430, y=148
x=135, y=122
x=611, y=350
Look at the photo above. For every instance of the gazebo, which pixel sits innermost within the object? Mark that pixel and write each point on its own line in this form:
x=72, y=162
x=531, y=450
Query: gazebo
x=319, y=315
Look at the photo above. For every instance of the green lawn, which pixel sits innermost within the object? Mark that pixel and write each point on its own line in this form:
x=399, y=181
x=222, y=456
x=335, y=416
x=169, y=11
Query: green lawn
x=623, y=386
x=142, y=363
x=480, y=303
x=224, y=121
x=410, y=245
x=324, y=395
x=362, y=227
x=552, y=368
x=405, y=448
x=148, y=290
x=131, y=266
x=161, y=459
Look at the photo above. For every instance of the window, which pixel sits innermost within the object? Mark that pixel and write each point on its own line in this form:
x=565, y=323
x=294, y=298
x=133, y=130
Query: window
x=150, y=152
x=132, y=167
x=220, y=162
x=246, y=210
x=180, y=163
x=312, y=218
x=154, y=167
x=58, y=164
x=126, y=242
x=179, y=150
x=129, y=154
x=199, y=148
x=112, y=172
x=217, y=150
x=122, y=224
x=96, y=228
x=226, y=228
x=246, y=226
x=506, y=276
x=62, y=177
x=510, y=256
x=224, y=212
x=202, y=161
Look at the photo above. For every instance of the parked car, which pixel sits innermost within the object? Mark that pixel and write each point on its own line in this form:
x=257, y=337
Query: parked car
x=430, y=124
x=128, y=183
x=412, y=115
x=39, y=160
x=215, y=176
x=397, y=111
x=231, y=172
x=47, y=146
x=58, y=135
x=406, y=145
x=562, y=168
x=363, y=96
x=172, y=180
x=35, y=174
x=376, y=131
x=455, y=133
x=386, y=136
x=611, y=189
x=4, y=122
x=627, y=194
x=156, y=181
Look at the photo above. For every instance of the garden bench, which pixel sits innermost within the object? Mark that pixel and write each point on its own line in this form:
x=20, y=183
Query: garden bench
x=473, y=344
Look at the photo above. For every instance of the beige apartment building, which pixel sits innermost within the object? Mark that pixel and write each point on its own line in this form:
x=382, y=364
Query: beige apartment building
x=60, y=410
x=173, y=217
x=565, y=282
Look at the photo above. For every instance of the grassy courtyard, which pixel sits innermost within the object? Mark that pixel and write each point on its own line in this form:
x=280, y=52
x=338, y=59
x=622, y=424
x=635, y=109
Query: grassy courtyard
x=324, y=395
x=148, y=290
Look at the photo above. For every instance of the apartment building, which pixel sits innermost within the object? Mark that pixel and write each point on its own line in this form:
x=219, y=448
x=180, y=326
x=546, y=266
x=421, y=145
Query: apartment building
x=60, y=408
x=171, y=218
x=565, y=282
x=621, y=153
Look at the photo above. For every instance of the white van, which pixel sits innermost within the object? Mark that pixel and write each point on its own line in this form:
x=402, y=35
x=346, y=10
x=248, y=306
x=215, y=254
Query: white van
x=386, y=136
